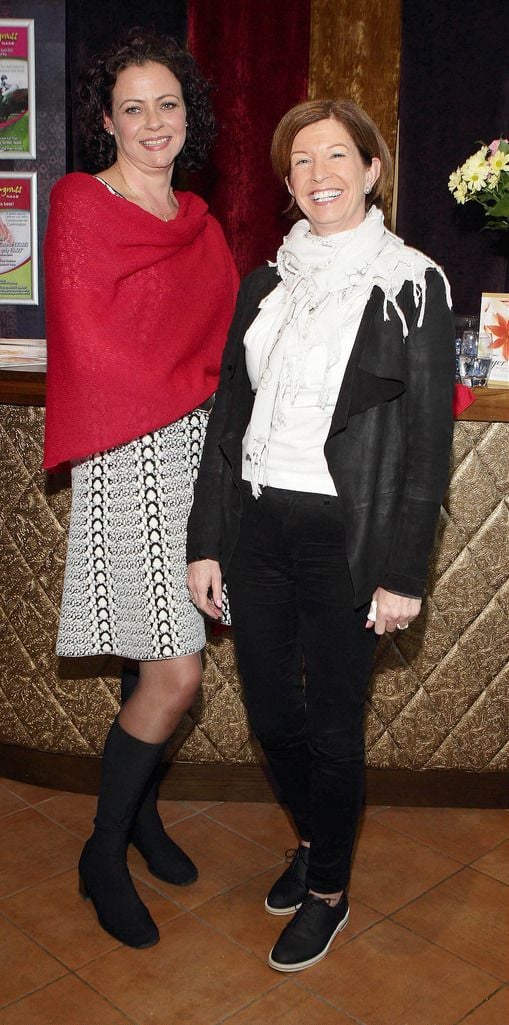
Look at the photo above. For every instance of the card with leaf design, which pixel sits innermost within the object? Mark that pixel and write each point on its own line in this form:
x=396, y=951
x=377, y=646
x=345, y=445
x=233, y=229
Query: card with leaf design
x=494, y=335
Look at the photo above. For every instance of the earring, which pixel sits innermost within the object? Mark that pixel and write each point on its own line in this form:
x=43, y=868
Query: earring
x=367, y=189
x=186, y=124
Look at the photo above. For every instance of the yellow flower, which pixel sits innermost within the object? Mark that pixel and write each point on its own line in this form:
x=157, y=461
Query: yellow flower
x=499, y=161
x=484, y=179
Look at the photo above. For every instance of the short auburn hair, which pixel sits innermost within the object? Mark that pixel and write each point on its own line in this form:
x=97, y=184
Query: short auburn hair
x=365, y=134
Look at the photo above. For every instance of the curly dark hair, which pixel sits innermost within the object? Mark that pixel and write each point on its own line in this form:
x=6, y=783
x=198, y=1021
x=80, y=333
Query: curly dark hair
x=95, y=87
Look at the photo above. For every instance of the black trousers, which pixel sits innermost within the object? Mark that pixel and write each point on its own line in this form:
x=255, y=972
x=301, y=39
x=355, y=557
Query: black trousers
x=305, y=659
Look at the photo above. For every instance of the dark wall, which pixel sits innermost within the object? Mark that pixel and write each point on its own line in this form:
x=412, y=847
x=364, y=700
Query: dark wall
x=92, y=26
x=66, y=33
x=454, y=93
x=49, y=15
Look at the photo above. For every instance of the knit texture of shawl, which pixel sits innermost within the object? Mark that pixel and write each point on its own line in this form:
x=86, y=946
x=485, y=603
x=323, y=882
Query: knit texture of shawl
x=137, y=312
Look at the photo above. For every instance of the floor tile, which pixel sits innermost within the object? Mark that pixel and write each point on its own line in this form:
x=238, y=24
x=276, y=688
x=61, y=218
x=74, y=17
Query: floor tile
x=27, y=791
x=241, y=915
x=467, y=914
x=33, y=849
x=174, y=811
x=74, y=812
x=288, y=1005
x=66, y=1002
x=9, y=802
x=390, y=869
x=223, y=858
x=60, y=920
x=461, y=833
x=389, y=976
x=373, y=809
x=192, y=977
x=438, y=962
x=493, y=1011
x=266, y=824
x=495, y=863
x=204, y=805
x=23, y=965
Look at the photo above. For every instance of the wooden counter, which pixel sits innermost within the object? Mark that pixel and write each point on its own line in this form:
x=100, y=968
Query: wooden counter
x=491, y=405
x=20, y=388
x=436, y=726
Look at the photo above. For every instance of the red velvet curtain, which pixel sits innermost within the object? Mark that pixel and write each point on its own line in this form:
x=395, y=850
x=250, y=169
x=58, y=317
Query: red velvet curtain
x=256, y=53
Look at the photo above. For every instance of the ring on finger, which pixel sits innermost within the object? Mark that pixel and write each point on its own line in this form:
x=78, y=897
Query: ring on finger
x=401, y=626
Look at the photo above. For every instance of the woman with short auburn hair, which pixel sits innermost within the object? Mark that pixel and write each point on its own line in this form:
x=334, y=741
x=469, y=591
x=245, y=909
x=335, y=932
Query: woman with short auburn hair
x=365, y=134
x=324, y=465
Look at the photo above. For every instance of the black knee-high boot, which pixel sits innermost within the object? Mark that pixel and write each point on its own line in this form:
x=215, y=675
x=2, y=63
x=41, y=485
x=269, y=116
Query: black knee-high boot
x=165, y=859
x=103, y=874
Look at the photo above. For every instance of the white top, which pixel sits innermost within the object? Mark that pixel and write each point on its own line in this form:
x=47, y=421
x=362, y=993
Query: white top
x=296, y=460
x=298, y=345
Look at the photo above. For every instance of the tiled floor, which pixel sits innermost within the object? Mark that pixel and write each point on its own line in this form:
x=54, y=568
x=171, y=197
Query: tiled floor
x=427, y=942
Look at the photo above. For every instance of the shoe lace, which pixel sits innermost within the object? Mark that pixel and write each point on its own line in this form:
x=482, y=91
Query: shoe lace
x=311, y=907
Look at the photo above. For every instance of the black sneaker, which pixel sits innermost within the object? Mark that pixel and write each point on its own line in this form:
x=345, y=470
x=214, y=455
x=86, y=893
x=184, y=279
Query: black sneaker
x=307, y=938
x=290, y=889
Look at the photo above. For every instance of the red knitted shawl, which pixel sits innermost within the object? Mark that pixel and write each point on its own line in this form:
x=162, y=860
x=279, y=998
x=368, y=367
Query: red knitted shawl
x=137, y=312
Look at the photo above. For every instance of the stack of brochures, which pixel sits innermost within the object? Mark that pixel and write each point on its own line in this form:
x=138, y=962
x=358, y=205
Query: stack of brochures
x=23, y=354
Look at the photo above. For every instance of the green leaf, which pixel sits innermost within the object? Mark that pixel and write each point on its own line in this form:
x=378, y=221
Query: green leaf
x=500, y=209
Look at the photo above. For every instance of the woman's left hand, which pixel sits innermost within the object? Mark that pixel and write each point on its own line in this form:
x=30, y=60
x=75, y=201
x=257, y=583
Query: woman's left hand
x=393, y=611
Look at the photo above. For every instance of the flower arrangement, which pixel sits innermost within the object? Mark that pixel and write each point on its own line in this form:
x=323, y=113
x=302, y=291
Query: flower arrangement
x=484, y=178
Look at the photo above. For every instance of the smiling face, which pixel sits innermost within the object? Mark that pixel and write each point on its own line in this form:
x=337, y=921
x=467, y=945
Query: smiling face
x=328, y=177
x=148, y=116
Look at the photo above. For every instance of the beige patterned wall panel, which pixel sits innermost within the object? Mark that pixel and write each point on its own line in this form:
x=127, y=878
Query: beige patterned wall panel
x=439, y=694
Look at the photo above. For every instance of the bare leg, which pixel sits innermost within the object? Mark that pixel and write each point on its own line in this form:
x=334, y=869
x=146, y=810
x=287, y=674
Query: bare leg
x=331, y=898
x=167, y=688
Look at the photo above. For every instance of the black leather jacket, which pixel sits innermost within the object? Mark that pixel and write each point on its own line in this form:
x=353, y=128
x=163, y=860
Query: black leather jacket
x=387, y=449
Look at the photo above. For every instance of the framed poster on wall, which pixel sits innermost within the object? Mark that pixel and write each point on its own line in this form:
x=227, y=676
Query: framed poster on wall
x=17, y=89
x=18, y=238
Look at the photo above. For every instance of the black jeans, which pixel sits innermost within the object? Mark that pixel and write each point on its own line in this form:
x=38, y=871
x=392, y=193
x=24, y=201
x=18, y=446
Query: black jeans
x=305, y=659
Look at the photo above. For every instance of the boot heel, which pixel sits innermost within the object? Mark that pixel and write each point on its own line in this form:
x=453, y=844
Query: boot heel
x=82, y=888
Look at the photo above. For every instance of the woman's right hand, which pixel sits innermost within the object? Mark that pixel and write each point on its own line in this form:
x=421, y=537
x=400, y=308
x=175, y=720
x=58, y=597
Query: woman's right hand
x=204, y=583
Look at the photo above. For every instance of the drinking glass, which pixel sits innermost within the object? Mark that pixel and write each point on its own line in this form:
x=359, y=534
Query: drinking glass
x=468, y=353
x=477, y=371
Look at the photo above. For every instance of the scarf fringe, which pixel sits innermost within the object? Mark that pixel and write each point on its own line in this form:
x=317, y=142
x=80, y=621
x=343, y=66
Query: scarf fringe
x=325, y=283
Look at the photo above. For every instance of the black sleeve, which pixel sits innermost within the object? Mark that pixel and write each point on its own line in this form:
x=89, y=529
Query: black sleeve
x=428, y=407
x=204, y=528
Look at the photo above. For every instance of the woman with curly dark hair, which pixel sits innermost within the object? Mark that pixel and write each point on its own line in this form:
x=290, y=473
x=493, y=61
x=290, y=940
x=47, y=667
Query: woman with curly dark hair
x=140, y=288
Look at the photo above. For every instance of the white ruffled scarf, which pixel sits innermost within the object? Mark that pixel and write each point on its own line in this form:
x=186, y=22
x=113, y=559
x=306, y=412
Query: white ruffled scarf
x=325, y=284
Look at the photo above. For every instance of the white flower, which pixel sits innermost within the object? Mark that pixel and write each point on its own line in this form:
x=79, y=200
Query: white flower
x=475, y=171
x=499, y=162
x=460, y=194
x=454, y=180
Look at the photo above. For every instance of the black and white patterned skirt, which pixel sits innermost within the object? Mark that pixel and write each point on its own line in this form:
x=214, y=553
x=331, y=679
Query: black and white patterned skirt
x=125, y=587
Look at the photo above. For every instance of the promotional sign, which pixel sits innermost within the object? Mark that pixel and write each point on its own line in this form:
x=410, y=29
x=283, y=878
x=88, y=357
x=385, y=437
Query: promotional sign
x=17, y=92
x=18, y=238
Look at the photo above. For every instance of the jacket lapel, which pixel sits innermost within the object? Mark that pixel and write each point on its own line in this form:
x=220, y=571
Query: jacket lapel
x=375, y=372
